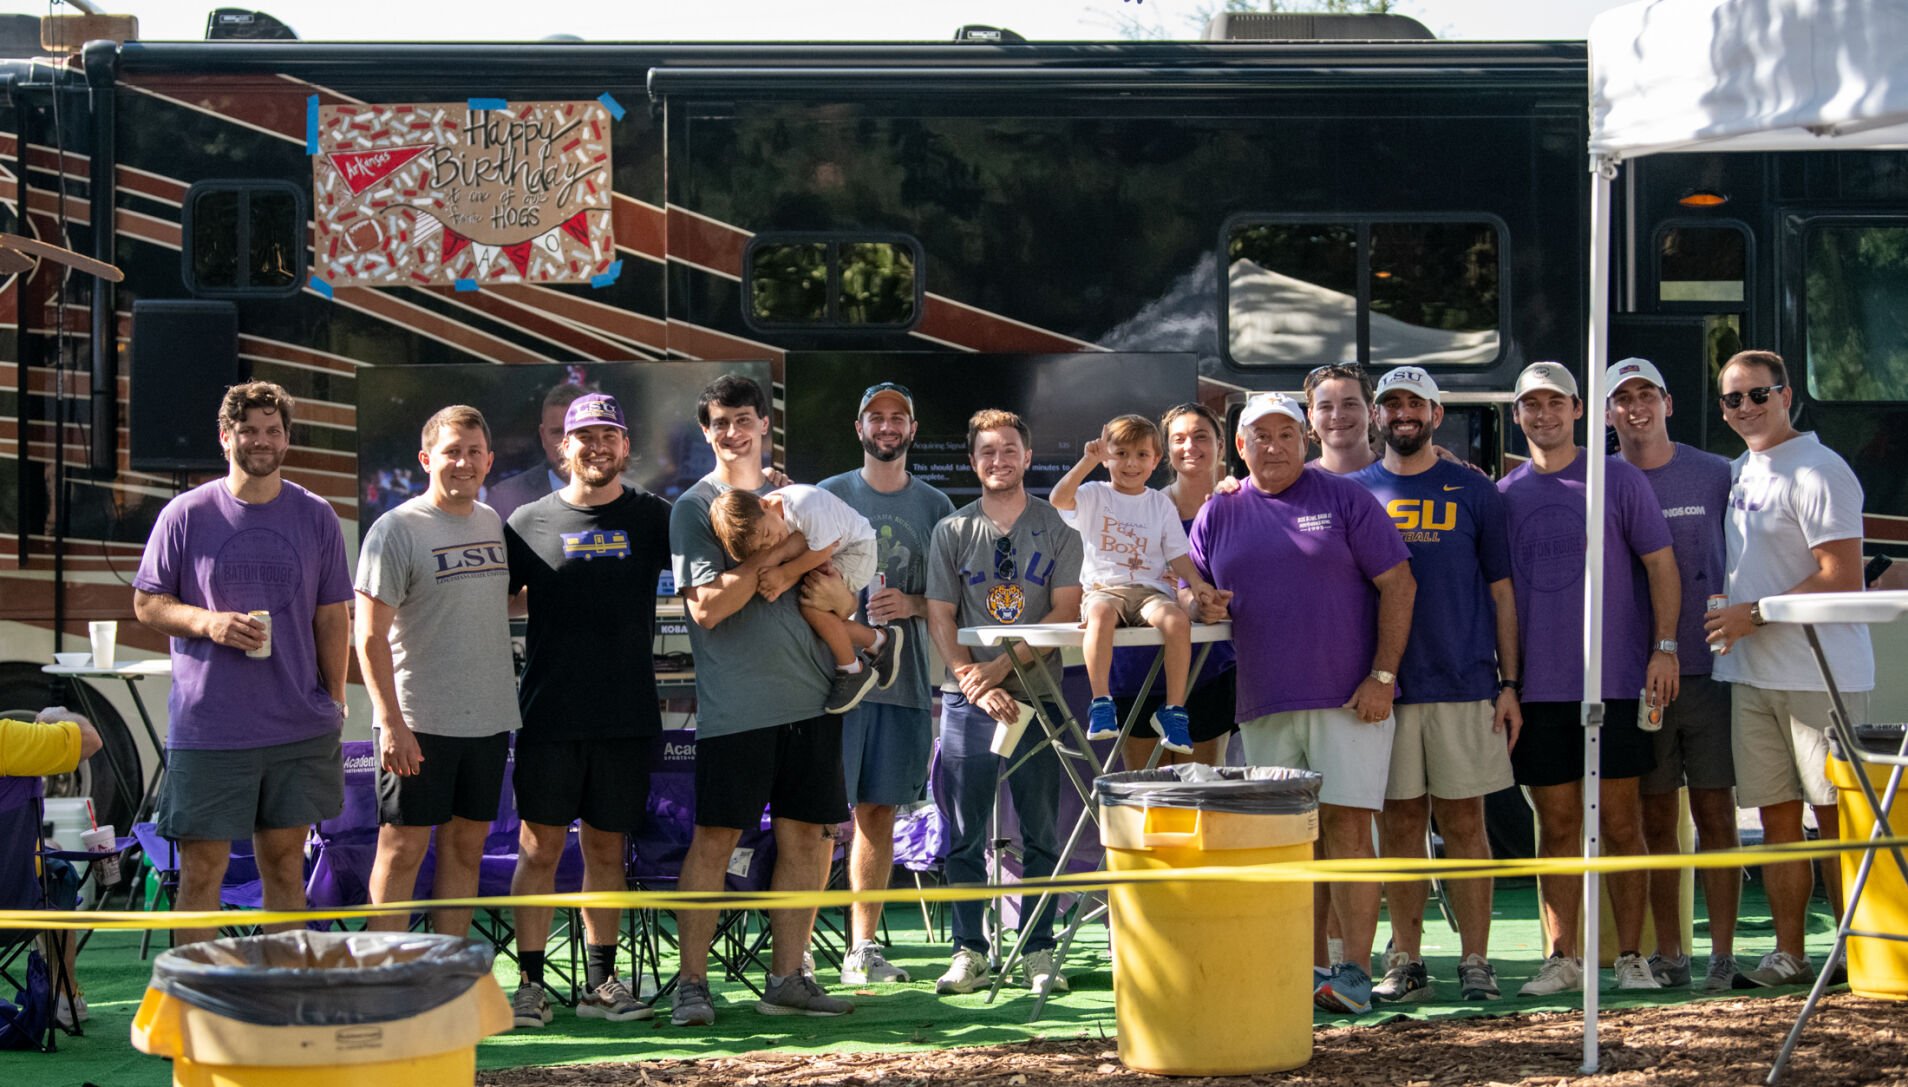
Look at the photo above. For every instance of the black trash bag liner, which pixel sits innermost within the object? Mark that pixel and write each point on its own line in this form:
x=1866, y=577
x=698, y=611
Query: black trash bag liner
x=322, y=979
x=1875, y=739
x=1239, y=790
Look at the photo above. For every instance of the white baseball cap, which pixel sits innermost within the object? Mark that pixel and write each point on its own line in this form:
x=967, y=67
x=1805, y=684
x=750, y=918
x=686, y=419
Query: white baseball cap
x=1260, y=405
x=1546, y=375
x=1631, y=370
x=1408, y=377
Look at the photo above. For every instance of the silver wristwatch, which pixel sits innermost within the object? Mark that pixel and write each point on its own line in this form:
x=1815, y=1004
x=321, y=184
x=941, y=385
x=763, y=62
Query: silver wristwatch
x=1383, y=676
x=1667, y=645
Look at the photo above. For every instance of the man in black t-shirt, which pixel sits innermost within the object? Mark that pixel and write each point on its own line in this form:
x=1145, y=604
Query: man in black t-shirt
x=588, y=558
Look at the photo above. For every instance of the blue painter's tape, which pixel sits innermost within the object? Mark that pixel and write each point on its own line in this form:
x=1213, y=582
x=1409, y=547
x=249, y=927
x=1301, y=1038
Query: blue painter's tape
x=466, y=284
x=311, y=125
x=321, y=286
x=609, y=277
x=489, y=103
x=610, y=103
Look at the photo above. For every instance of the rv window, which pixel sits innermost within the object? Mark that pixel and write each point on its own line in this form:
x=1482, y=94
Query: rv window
x=1702, y=264
x=244, y=238
x=829, y=282
x=1425, y=293
x=1856, y=289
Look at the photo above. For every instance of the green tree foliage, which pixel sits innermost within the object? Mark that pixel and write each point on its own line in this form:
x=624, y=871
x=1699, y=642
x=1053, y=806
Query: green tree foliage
x=1857, y=329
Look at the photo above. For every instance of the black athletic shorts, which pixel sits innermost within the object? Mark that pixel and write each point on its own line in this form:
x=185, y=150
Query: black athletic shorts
x=461, y=776
x=794, y=770
x=1549, y=750
x=1209, y=707
x=604, y=782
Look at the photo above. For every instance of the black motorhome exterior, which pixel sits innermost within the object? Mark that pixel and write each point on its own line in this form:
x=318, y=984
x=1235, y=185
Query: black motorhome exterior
x=1266, y=207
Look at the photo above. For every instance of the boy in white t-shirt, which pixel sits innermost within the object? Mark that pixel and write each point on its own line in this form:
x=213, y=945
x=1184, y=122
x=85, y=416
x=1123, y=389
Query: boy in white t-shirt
x=837, y=537
x=1133, y=546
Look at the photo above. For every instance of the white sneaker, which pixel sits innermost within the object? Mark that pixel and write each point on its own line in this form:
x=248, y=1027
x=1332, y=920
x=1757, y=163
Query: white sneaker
x=1042, y=973
x=965, y=974
x=808, y=963
x=1558, y=975
x=865, y=965
x=1633, y=972
x=64, y=1012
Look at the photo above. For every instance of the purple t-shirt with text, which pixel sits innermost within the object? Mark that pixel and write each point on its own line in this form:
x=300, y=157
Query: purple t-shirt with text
x=1549, y=534
x=285, y=556
x=1300, y=565
x=1693, y=489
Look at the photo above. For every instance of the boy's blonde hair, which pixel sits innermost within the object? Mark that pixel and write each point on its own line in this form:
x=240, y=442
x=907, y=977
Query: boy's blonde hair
x=1130, y=430
x=736, y=515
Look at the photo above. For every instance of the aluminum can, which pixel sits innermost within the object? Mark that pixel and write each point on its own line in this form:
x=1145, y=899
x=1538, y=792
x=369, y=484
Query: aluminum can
x=264, y=619
x=1717, y=602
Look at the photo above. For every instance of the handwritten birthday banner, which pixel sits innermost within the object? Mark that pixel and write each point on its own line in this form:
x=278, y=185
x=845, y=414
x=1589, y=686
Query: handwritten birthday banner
x=466, y=193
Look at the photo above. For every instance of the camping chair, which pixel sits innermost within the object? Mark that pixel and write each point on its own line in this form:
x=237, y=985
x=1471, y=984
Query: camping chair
x=25, y=884
x=494, y=872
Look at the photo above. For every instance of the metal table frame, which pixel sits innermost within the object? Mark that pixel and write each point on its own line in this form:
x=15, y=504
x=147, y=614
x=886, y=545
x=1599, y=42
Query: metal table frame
x=1809, y=609
x=1040, y=687
x=131, y=673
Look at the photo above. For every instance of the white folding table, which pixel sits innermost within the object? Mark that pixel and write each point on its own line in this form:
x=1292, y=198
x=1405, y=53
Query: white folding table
x=131, y=673
x=1041, y=689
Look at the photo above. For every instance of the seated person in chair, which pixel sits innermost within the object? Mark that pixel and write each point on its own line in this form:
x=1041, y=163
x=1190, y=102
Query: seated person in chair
x=55, y=742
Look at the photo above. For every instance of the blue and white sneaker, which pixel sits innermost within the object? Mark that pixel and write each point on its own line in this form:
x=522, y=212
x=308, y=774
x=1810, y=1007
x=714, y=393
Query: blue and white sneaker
x=1175, y=734
x=1347, y=991
x=1103, y=719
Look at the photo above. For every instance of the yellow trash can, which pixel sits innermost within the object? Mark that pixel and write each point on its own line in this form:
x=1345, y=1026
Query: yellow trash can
x=1210, y=979
x=316, y=1009
x=1876, y=968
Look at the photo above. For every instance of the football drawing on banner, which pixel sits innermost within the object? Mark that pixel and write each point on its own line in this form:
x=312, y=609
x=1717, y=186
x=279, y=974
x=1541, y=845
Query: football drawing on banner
x=461, y=194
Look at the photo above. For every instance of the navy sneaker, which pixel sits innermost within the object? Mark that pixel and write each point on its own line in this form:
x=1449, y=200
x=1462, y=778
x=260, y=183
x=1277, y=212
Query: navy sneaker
x=1174, y=733
x=1103, y=718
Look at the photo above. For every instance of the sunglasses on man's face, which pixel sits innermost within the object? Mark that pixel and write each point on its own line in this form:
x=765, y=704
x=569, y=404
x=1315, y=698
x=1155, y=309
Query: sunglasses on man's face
x=1760, y=394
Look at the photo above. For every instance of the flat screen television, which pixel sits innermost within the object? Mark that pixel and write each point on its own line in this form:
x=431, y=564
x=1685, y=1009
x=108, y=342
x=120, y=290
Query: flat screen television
x=667, y=451
x=1064, y=398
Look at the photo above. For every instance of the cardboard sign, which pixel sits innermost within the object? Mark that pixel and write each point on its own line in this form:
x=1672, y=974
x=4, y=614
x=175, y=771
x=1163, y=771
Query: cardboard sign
x=462, y=194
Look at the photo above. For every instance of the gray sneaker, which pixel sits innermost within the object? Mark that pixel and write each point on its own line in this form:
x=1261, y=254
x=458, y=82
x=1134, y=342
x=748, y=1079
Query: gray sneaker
x=847, y=689
x=693, y=1006
x=965, y=974
x=1042, y=973
x=1477, y=979
x=1670, y=973
x=530, y=1007
x=1722, y=974
x=613, y=1001
x=797, y=994
x=1406, y=979
x=1777, y=968
x=865, y=965
x=886, y=661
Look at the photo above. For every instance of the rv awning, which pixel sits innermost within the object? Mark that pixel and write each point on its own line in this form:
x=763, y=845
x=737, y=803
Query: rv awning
x=1749, y=75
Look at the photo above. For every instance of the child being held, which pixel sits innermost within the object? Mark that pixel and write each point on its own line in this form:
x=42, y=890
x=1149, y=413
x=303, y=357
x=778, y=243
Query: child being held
x=838, y=537
x=1134, y=542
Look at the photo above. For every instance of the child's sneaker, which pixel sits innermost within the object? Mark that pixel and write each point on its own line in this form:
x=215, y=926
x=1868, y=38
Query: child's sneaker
x=886, y=661
x=1103, y=718
x=1174, y=732
x=848, y=689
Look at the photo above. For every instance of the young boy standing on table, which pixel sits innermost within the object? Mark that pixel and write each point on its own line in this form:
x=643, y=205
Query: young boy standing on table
x=1133, y=545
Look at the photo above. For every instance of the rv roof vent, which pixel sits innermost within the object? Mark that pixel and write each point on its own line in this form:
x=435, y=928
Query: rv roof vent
x=1260, y=26
x=986, y=35
x=238, y=24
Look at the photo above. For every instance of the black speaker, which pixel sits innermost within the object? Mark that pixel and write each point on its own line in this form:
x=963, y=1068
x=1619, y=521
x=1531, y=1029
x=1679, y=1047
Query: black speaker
x=184, y=357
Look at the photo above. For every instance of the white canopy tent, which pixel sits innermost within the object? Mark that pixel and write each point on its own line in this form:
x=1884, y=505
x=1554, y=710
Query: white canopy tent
x=1714, y=75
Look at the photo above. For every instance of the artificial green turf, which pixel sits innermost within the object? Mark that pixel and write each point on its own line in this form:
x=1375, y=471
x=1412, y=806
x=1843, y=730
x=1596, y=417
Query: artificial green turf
x=887, y=1017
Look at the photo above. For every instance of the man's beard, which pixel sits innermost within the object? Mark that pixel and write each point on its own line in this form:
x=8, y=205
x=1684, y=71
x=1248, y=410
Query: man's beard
x=248, y=463
x=594, y=476
x=1406, y=447
x=900, y=449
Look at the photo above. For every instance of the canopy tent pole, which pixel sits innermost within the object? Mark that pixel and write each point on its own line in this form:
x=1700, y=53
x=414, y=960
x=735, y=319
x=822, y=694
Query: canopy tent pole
x=1602, y=172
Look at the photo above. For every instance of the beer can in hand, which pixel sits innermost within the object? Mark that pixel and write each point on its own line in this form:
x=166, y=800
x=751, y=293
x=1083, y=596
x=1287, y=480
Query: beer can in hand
x=880, y=582
x=1649, y=715
x=264, y=619
x=1717, y=602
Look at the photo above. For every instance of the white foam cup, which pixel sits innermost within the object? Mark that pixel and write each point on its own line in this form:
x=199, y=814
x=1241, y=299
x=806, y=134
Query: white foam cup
x=105, y=635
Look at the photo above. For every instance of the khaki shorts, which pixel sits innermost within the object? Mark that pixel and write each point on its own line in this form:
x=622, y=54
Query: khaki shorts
x=1781, y=745
x=1353, y=755
x=1130, y=600
x=1448, y=750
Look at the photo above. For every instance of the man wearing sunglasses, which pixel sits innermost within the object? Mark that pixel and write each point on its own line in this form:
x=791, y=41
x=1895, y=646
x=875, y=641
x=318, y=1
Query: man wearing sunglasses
x=1004, y=558
x=1794, y=525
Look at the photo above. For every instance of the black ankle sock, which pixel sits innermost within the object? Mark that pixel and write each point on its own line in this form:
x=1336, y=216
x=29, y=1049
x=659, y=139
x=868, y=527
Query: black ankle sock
x=602, y=964
x=530, y=966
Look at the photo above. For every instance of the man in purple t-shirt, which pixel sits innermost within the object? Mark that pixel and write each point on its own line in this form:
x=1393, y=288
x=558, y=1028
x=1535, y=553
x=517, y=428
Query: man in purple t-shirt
x=1693, y=747
x=1545, y=500
x=255, y=706
x=1321, y=608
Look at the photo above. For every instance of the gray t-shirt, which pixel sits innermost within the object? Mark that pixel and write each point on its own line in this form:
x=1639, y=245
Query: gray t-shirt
x=994, y=580
x=760, y=667
x=904, y=526
x=448, y=578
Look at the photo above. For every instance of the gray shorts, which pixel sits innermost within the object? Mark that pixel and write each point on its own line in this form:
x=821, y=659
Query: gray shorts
x=885, y=752
x=1693, y=747
x=222, y=795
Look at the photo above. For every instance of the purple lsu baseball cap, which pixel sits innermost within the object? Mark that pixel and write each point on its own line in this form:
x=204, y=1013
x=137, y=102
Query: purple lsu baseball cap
x=594, y=409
